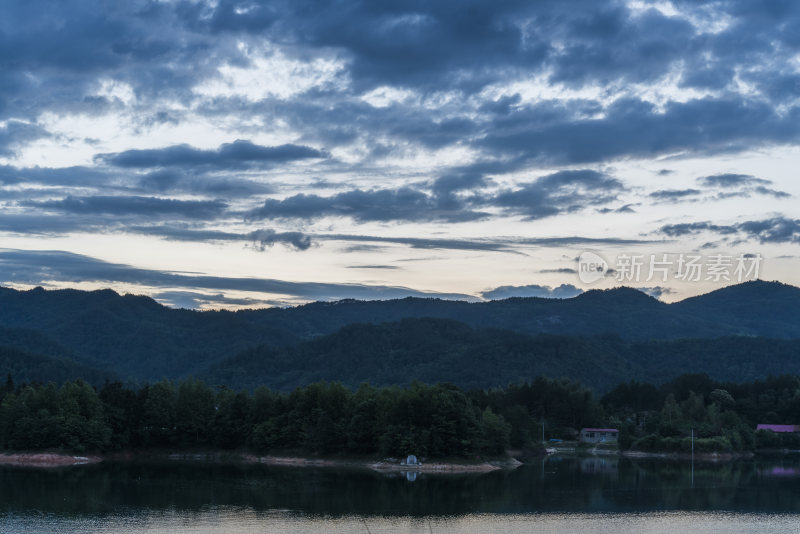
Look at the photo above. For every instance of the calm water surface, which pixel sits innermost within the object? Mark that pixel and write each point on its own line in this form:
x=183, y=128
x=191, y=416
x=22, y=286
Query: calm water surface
x=557, y=495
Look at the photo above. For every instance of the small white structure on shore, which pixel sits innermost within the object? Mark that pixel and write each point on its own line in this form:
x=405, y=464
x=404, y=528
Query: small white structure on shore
x=410, y=460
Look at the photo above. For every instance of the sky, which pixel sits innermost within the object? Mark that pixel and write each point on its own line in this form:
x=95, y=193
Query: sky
x=229, y=154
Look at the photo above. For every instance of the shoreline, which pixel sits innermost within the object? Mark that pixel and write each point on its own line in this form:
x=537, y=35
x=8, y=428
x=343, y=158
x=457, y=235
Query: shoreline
x=56, y=459
x=46, y=459
x=384, y=465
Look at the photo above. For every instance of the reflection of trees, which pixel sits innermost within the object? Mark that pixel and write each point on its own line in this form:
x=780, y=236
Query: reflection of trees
x=554, y=485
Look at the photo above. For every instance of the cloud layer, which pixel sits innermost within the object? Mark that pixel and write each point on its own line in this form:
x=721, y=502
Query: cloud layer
x=466, y=127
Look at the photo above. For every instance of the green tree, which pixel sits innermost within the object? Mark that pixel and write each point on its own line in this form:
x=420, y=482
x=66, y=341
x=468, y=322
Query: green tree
x=496, y=433
x=194, y=413
x=231, y=422
x=159, y=415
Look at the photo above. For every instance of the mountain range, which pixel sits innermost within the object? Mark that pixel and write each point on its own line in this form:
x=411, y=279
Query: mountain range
x=601, y=337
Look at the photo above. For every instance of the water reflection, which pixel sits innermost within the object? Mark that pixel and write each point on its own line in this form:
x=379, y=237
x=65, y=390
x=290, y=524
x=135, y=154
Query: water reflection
x=554, y=485
x=780, y=471
x=599, y=465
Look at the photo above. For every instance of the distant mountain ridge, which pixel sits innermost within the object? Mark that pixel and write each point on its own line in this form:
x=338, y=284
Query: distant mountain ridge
x=136, y=338
x=442, y=350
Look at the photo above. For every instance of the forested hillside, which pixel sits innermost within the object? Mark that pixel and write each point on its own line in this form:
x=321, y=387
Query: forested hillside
x=599, y=336
x=437, y=350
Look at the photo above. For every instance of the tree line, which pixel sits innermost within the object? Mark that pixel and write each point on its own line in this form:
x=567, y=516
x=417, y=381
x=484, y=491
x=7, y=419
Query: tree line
x=439, y=420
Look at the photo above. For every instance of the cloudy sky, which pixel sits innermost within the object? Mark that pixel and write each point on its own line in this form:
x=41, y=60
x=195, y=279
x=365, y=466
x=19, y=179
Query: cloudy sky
x=243, y=153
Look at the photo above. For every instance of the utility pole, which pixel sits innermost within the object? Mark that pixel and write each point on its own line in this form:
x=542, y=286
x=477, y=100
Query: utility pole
x=692, y=457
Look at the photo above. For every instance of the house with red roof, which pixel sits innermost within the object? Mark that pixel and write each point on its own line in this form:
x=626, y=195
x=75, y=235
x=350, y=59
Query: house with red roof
x=779, y=428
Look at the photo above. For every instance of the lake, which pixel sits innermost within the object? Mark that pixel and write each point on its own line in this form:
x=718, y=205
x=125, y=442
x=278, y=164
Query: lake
x=555, y=495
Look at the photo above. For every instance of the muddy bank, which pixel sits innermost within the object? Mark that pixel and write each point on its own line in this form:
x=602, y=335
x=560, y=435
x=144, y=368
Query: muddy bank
x=46, y=459
x=437, y=467
x=382, y=465
x=368, y=463
x=387, y=465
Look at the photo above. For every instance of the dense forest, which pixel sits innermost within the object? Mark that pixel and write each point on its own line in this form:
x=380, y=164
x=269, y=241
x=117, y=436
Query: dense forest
x=439, y=350
x=138, y=340
x=439, y=420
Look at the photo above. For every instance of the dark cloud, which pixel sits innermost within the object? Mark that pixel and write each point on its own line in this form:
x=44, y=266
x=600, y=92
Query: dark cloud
x=337, y=120
x=464, y=43
x=741, y=185
x=182, y=181
x=674, y=194
x=78, y=176
x=625, y=208
x=162, y=50
x=762, y=35
x=16, y=133
x=509, y=245
x=564, y=291
x=683, y=229
x=53, y=54
x=269, y=237
x=261, y=239
x=452, y=183
x=403, y=204
x=468, y=44
x=502, y=106
x=131, y=205
x=491, y=245
x=52, y=225
x=234, y=155
x=561, y=270
x=608, y=43
x=169, y=180
x=773, y=230
x=731, y=180
x=33, y=267
x=635, y=128
x=322, y=183
x=761, y=190
x=563, y=191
